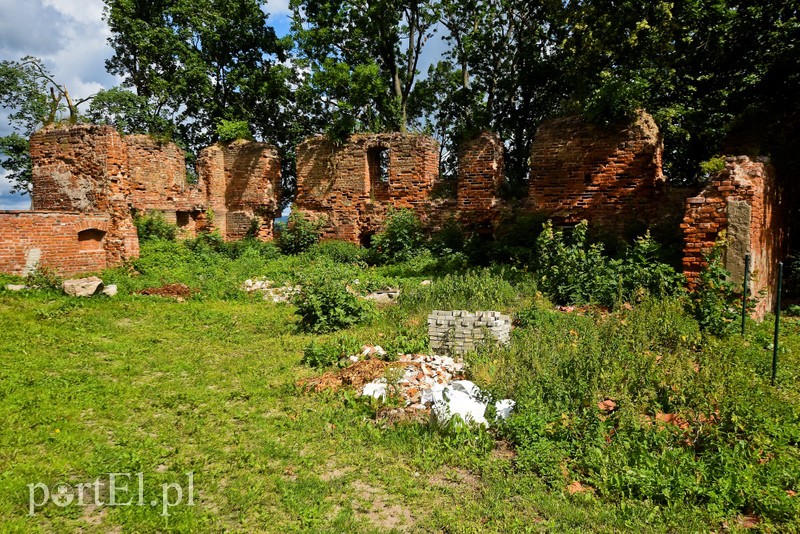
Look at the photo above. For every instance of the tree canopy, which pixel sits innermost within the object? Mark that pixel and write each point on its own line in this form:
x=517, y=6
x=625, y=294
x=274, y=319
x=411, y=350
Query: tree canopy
x=717, y=74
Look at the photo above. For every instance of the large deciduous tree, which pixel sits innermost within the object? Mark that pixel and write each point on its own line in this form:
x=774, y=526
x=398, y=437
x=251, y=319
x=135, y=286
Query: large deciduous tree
x=361, y=59
x=203, y=61
x=34, y=99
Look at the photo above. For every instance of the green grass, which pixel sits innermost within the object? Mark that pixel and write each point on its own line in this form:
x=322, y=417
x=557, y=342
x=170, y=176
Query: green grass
x=146, y=384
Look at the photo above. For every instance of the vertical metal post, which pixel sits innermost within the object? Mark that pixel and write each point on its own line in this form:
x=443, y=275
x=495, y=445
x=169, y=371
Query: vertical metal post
x=745, y=288
x=777, y=323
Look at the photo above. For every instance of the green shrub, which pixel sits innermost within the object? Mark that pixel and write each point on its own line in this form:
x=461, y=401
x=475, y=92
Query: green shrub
x=449, y=239
x=332, y=352
x=43, y=277
x=154, y=226
x=400, y=239
x=299, y=235
x=712, y=166
x=715, y=302
x=572, y=271
x=339, y=251
x=233, y=130
x=324, y=304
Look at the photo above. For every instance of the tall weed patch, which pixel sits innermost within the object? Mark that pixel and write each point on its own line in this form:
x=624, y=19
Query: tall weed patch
x=642, y=405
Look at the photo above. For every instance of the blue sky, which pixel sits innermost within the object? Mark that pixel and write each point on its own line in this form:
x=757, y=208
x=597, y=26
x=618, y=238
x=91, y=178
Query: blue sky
x=70, y=37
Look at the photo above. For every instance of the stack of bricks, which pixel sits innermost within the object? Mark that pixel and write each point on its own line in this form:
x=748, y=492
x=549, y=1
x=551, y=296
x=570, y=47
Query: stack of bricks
x=743, y=201
x=609, y=176
x=459, y=332
x=480, y=173
x=343, y=185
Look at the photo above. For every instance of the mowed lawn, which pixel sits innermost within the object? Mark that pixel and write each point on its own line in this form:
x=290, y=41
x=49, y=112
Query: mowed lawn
x=149, y=385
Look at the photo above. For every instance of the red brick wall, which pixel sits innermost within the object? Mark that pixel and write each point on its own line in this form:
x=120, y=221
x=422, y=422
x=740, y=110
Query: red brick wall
x=338, y=183
x=480, y=173
x=35, y=238
x=610, y=176
x=709, y=214
x=84, y=168
x=243, y=182
x=157, y=173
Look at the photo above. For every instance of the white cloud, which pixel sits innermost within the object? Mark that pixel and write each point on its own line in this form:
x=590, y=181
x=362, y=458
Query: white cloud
x=70, y=37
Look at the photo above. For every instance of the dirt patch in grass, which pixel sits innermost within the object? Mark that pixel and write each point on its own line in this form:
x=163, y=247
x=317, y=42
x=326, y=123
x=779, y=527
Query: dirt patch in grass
x=358, y=374
x=372, y=504
x=176, y=291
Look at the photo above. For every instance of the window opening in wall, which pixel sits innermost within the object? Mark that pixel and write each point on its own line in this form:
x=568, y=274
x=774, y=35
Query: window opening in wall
x=91, y=239
x=378, y=161
x=182, y=218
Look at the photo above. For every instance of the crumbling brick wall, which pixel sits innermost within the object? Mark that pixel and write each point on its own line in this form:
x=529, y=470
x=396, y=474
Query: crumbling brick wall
x=480, y=173
x=92, y=169
x=243, y=184
x=611, y=176
x=68, y=242
x=84, y=168
x=744, y=201
x=351, y=186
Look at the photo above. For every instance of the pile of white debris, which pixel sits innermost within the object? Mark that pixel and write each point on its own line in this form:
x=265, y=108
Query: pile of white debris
x=437, y=383
x=275, y=294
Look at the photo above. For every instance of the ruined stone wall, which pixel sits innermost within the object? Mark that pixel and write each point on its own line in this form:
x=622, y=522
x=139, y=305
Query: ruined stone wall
x=243, y=183
x=157, y=172
x=745, y=202
x=610, y=176
x=351, y=186
x=480, y=173
x=84, y=168
x=68, y=242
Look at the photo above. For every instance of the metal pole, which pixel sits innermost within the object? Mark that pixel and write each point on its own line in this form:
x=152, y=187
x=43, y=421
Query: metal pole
x=744, y=289
x=777, y=323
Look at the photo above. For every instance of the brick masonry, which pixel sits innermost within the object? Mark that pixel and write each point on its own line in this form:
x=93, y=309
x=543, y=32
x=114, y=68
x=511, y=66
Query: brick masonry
x=609, y=175
x=480, y=173
x=93, y=170
x=70, y=242
x=745, y=203
x=351, y=186
x=459, y=332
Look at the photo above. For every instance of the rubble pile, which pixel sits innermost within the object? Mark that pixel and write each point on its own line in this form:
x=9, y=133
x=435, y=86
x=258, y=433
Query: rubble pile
x=275, y=294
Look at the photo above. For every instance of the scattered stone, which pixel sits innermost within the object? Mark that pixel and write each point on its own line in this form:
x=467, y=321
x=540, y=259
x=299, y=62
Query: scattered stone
x=375, y=389
x=372, y=351
x=425, y=283
x=82, y=287
x=15, y=287
x=275, y=294
x=388, y=296
x=110, y=290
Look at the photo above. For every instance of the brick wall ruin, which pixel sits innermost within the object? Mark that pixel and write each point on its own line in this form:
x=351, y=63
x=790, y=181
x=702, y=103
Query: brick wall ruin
x=608, y=175
x=92, y=172
x=480, y=173
x=73, y=242
x=352, y=185
x=243, y=181
x=743, y=201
